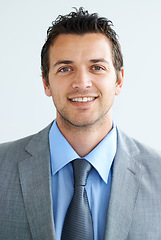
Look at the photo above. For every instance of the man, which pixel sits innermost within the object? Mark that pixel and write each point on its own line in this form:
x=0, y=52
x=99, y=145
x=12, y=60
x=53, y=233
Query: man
x=82, y=69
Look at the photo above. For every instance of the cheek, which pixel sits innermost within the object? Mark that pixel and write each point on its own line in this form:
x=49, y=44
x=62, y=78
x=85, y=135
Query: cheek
x=105, y=87
x=58, y=92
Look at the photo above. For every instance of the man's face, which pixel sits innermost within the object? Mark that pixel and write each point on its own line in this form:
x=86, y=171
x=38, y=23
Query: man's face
x=82, y=79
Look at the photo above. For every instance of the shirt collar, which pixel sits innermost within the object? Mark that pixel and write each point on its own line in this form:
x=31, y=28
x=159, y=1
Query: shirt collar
x=101, y=157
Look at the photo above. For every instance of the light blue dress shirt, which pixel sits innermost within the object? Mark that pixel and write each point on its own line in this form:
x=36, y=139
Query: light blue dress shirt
x=98, y=183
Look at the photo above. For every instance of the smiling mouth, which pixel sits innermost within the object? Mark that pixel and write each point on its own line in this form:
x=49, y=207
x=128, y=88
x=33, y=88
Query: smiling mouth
x=82, y=99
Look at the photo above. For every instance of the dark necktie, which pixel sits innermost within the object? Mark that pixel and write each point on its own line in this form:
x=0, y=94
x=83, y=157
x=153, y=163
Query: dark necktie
x=78, y=220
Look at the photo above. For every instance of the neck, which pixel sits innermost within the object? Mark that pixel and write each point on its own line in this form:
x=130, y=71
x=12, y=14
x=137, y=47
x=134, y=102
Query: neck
x=84, y=140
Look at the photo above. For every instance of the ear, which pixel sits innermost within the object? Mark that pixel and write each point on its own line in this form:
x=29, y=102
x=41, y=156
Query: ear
x=46, y=87
x=119, y=82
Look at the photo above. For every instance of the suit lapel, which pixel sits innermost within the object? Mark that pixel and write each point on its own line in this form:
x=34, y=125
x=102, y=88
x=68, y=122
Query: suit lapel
x=124, y=190
x=35, y=182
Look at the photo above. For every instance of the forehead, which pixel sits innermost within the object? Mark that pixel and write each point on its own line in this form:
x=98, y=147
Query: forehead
x=90, y=45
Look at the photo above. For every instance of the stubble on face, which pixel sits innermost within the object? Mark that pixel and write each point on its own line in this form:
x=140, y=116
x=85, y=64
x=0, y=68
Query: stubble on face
x=85, y=124
x=72, y=126
x=91, y=46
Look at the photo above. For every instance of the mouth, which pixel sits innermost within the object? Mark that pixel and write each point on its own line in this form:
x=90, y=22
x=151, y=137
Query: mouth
x=82, y=99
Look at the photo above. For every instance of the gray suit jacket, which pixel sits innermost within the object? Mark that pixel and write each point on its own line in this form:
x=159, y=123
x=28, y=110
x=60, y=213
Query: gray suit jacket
x=134, y=211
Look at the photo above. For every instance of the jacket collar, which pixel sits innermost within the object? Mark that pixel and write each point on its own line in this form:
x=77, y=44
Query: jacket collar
x=127, y=173
x=35, y=174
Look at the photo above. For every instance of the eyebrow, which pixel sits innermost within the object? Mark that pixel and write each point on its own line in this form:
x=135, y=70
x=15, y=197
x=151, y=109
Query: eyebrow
x=70, y=62
x=62, y=62
x=99, y=60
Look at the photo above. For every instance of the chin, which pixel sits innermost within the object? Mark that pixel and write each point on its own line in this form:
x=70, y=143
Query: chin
x=82, y=124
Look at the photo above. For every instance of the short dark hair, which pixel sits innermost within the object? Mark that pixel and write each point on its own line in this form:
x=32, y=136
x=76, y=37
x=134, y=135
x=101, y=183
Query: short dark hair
x=81, y=22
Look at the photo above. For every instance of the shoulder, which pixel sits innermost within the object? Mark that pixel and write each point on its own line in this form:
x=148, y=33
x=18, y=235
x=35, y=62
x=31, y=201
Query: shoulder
x=142, y=153
x=18, y=149
x=14, y=147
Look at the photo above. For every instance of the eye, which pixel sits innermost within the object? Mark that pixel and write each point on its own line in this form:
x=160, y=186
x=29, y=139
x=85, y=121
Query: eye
x=64, y=69
x=97, y=68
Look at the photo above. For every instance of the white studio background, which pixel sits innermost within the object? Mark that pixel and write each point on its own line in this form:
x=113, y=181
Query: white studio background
x=24, y=108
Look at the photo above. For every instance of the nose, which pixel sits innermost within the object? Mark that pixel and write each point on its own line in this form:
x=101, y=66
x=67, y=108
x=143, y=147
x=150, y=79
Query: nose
x=82, y=79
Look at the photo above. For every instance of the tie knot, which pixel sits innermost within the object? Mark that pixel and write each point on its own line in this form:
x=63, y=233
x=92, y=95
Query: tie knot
x=81, y=170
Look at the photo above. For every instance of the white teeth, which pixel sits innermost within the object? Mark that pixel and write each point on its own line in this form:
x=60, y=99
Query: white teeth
x=85, y=99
